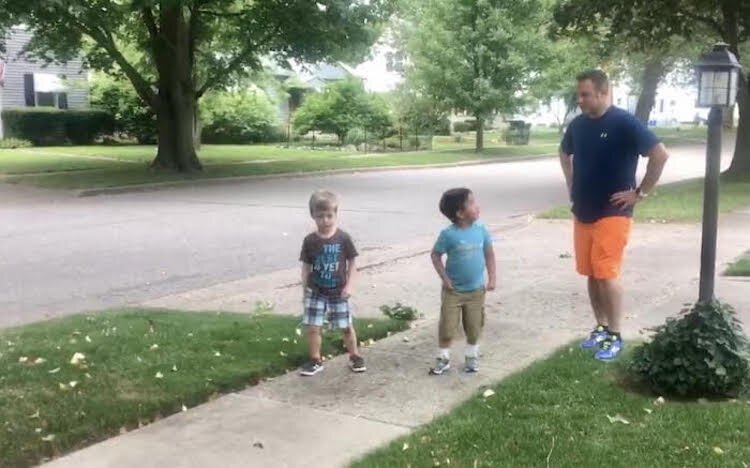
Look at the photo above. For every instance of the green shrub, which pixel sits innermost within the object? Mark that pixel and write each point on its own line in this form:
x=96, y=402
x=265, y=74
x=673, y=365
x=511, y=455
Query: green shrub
x=13, y=143
x=702, y=353
x=400, y=312
x=45, y=127
x=239, y=118
x=132, y=117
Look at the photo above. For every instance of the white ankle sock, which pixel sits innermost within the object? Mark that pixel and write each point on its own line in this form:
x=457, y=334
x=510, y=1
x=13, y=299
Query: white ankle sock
x=472, y=350
x=444, y=353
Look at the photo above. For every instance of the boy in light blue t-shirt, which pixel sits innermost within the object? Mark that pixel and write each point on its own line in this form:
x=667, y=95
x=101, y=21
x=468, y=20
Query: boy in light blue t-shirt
x=468, y=246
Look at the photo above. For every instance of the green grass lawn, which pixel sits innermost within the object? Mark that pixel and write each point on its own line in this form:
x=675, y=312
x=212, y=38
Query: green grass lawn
x=139, y=365
x=102, y=166
x=678, y=202
x=555, y=414
x=740, y=267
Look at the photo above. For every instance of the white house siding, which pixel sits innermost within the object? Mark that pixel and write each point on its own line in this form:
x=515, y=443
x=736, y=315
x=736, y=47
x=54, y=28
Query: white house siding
x=13, y=94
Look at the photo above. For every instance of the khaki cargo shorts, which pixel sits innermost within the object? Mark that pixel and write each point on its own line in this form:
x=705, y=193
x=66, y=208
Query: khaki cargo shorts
x=464, y=307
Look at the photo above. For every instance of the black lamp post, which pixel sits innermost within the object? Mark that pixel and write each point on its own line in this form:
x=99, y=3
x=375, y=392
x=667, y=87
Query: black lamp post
x=717, y=89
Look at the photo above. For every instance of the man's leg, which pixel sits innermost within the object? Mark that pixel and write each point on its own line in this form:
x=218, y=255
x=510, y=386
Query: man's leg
x=597, y=291
x=611, y=292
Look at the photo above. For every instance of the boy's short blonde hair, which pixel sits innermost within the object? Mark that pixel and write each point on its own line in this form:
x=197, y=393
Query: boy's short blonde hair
x=323, y=200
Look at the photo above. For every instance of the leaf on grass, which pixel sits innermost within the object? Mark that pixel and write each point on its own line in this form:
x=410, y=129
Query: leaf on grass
x=369, y=325
x=159, y=375
x=617, y=418
x=73, y=384
x=23, y=359
x=190, y=335
x=648, y=410
x=78, y=359
x=88, y=339
x=54, y=371
x=488, y=393
x=217, y=354
x=660, y=401
x=48, y=438
x=38, y=430
x=154, y=347
x=298, y=332
x=138, y=358
x=282, y=354
x=35, y=415
x=285, y=339
x=39, y=360
x=62, y=386
x=405, y=447
x=718, y=451
x=174, y=368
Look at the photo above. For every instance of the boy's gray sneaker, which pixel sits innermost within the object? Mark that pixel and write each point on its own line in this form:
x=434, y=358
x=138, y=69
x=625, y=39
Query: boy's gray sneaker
x=311, y=368
x=441, y=365
x=357, y=364
x=472, y=364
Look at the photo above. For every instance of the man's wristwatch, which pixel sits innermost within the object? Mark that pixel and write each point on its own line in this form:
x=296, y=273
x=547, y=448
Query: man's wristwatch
x=640, y=193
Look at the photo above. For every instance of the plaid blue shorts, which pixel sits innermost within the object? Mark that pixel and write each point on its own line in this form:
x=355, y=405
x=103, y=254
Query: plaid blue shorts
x=318, y=308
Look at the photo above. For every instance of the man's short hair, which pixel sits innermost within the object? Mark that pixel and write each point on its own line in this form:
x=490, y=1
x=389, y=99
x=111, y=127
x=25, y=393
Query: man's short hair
x=323, y=200
x=453, y=201
x=598, y=77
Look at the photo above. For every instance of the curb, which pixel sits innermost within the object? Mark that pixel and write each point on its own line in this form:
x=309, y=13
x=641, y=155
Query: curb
x=293, y=175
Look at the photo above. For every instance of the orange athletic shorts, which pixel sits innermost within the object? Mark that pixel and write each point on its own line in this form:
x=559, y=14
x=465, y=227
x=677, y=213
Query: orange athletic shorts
x=600, y=245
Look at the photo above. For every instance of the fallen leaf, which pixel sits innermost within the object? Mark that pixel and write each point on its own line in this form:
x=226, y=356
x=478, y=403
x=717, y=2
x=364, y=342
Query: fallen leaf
x=217, y=354
x=285, y=340
x=718, y=451
x=298, y=332
x=488, y=393
x=282, y=353
x=405, y=447
x=138, y=358
x=54, y=371
x=184, y=408
x=73, y=384
x=154, y=347
x=49, y=438
x=88, y=376
x=370, y=341
x=78, y=359
x=35, y=415
x=258, y=445
x=159, y=375
x=190, y=335
x=62, y=386
x=406, y=339
x=617, y=418
x=38, y=430
x=174, y=368
x=648, y=410
x=660, y=401
x=369, y=325
x=23, y=359
x=88, y=339
x=39, y=360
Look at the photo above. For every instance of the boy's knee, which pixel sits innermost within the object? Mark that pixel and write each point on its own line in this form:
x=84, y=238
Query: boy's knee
x=312, y=330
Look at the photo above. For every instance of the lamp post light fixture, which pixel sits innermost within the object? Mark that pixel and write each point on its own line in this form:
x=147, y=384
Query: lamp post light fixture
x=718, y=75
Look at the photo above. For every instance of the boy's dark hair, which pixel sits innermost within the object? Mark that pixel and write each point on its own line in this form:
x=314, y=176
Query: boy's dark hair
x=453, y=201
x=598, y=77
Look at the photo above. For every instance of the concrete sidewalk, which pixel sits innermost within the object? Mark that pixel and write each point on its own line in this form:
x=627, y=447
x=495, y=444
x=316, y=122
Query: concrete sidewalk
x=335, y=417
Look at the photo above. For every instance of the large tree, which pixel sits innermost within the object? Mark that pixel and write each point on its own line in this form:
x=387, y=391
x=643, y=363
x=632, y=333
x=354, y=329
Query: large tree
x=658, y=22
x=473, y=55
x=191, y=46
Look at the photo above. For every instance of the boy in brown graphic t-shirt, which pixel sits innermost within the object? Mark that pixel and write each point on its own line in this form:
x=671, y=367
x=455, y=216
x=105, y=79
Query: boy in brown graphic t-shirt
x=327, y=271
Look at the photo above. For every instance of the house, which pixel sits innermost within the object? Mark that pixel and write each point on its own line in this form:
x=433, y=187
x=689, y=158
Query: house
x=26, y=82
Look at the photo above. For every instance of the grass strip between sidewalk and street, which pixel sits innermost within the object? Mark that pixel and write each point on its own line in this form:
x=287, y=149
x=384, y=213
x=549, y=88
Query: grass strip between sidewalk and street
x=135, y=366
x=679, y=202
x=740, y=267
x=570, y=410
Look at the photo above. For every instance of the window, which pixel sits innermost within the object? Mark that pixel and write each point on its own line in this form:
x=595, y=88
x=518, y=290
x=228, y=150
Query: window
x=46, y=100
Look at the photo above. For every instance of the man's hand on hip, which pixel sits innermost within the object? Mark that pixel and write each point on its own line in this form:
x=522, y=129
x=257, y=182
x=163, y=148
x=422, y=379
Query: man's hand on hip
x=625, y=199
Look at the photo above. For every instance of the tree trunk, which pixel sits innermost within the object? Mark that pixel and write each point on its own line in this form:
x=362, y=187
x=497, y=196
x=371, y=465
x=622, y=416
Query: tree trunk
x=480, y=134
x=176, y=102
x=653, y=73
x=740, y=167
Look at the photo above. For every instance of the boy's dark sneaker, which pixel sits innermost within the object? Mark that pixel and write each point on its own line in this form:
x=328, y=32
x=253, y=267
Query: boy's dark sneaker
x=311, y=368
x=357, y=364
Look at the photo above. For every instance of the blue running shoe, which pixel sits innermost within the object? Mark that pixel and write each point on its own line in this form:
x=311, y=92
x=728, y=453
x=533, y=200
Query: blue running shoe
x=598, y=335
x=610, y=348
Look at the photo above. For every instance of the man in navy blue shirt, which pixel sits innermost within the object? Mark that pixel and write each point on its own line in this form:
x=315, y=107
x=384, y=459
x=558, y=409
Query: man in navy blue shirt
x=599, y=157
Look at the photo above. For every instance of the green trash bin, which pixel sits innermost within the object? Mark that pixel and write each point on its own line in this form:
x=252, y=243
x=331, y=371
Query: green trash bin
x=518, y=132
